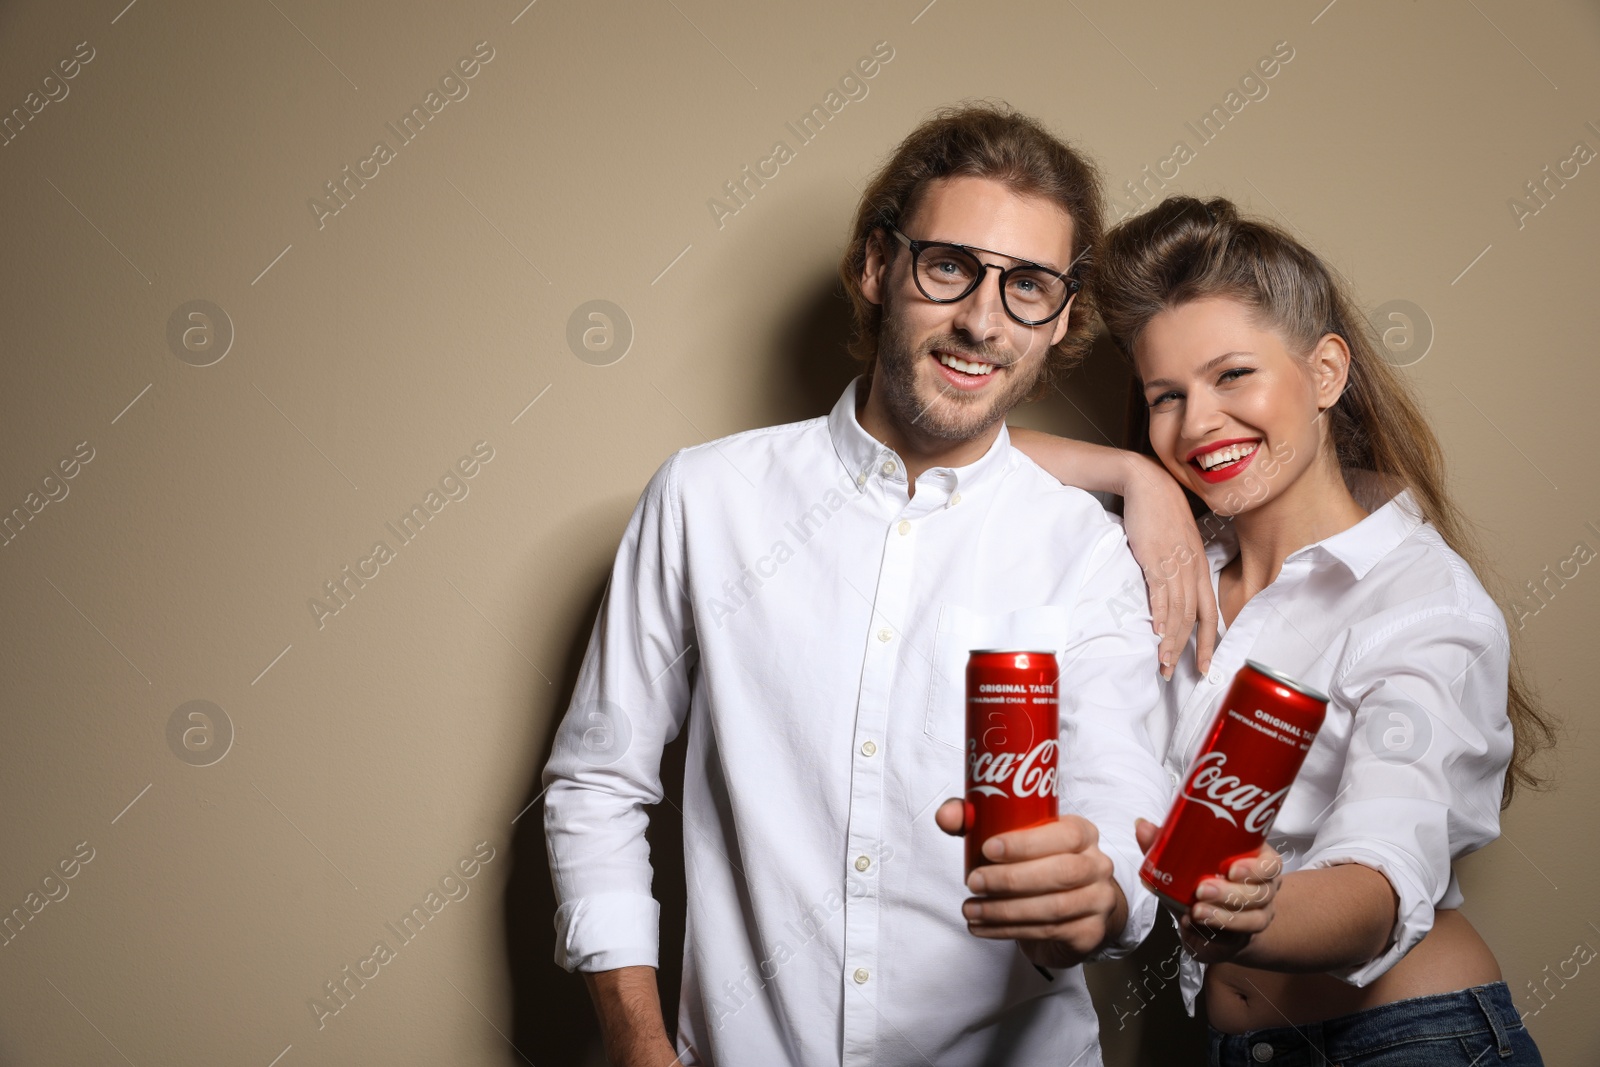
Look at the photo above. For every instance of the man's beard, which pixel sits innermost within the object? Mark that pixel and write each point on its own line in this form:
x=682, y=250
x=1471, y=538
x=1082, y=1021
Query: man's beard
x=948, y=414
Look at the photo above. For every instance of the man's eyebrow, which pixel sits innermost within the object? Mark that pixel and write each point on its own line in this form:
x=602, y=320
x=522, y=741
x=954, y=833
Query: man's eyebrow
x=1210, y=363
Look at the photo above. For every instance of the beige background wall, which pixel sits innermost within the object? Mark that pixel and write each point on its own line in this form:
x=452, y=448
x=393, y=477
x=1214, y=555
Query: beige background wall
x=355, y=760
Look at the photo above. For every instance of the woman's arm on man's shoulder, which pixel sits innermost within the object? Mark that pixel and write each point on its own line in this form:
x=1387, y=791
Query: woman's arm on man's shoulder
x=1160, y=529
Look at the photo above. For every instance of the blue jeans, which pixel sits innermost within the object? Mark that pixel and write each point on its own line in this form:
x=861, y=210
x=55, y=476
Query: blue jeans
x=1477, y=1027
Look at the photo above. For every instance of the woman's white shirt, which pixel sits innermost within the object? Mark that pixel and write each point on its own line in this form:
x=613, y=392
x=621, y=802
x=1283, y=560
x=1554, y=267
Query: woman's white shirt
x=1407, y=770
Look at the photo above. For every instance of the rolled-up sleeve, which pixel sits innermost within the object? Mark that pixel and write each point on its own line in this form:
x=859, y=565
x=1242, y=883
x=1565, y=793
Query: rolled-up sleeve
x=631, y=699
x=1110, y=772
x=1429, y=747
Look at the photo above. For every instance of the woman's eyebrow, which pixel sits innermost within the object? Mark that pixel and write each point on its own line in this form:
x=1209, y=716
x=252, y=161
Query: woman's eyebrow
x=1210, y=363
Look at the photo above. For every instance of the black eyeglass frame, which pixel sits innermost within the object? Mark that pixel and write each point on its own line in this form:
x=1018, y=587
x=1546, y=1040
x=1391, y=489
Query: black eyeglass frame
x=1074, y=286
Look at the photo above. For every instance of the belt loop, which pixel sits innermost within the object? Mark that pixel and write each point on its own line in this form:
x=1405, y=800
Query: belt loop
x=1502, y=1038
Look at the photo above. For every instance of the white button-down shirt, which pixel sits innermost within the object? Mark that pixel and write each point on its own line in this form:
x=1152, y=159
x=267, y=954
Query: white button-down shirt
x=1406, y=772
x=782, y=594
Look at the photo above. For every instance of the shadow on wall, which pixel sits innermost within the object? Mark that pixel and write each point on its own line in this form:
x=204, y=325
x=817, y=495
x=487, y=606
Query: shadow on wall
x=553, y=1018
x=811, y=365
x=1141, y=1012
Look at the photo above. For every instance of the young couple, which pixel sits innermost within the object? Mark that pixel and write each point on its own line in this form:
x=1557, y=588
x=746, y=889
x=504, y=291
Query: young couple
x=802, y=599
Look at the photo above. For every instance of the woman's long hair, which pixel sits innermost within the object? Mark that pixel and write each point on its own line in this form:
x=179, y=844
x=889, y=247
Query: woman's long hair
x=1184, y=249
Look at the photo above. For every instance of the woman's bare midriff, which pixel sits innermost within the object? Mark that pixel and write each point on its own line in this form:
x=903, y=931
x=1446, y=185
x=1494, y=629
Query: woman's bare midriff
x=1451, y=957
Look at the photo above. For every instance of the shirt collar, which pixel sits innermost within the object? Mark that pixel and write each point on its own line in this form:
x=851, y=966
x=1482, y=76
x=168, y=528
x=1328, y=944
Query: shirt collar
x=1359, y=548
x=865, y=457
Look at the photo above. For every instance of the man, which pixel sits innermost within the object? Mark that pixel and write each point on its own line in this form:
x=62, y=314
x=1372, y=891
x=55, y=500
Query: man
x=803, y=598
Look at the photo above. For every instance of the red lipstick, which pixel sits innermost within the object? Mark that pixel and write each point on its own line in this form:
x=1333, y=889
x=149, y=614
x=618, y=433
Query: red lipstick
x=1231, y=470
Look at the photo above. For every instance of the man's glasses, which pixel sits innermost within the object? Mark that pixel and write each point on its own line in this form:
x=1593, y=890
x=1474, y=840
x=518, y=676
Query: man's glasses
x=945, y=273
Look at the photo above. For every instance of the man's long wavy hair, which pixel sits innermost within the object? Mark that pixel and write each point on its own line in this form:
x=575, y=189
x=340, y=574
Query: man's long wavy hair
x=980, y=140
x=1184, y=249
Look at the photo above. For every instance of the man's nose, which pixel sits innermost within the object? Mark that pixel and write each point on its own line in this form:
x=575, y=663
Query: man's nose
x=980, y=314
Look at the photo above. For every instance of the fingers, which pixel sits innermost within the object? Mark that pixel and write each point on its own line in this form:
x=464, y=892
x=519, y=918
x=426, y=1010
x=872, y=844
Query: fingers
x=1243, y=901
x=1036, y=917
x=1053, y=890
x=1232, y=906
x=1178, y=600
x=1145, y=833
x=1230, y=911
x=1186, y=598
x=1222, y=895
x=1046, y=874
x=1159, y=618
x=1251, y=882
x=1069, y=833
x=1264, y=866
x=951, y=816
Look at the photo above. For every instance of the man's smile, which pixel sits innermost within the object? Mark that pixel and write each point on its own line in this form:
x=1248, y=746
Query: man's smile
x=965, y=372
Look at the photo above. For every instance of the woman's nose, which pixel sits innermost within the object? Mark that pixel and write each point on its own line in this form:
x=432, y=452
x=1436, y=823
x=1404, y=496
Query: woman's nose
x=1201, y=418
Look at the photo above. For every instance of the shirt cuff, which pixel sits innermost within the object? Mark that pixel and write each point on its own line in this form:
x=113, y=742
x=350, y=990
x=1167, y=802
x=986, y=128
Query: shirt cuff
x=1413, y=914
x=608, y=930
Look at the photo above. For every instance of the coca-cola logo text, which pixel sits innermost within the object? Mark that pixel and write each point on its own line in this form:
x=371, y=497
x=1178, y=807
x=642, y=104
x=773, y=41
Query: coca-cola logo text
x=1016, y=773
x=1228, y=797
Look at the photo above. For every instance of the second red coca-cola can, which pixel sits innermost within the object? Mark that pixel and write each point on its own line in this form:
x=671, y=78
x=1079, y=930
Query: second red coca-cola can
x=1224, y=810
x=1013, y=745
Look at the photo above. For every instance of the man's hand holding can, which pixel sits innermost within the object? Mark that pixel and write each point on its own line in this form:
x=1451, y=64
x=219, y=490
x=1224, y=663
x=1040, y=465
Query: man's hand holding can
x=1047, y=887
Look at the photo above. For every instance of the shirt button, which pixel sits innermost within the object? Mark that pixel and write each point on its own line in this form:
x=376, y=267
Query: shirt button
x=904, y=527
x=885, y=634
x=861, y=976
x=955, y=498
x=1174, y=776
x=862, y=863
x=868, y=748
x=861, y=479
x=1215, y=678
x=888, y=466
x=1261, y=1052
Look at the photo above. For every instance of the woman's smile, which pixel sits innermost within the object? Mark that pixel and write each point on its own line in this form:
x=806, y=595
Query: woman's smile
x=1221, y=460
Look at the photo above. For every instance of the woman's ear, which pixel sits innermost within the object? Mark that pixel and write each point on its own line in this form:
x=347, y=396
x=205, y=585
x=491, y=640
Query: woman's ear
x=1330, y=369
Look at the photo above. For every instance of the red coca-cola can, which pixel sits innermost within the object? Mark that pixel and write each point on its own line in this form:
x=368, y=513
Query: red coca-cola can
x=1013, y=745
x=1237, y=783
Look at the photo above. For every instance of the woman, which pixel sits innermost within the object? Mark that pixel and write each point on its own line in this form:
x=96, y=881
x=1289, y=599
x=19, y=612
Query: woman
x=1261, y=392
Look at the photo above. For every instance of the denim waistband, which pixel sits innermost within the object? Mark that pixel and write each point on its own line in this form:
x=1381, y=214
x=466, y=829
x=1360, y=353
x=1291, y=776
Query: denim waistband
x=1484, y=1009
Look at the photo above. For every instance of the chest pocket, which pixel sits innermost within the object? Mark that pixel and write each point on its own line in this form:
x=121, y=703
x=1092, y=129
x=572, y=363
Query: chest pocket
x=961, y=631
